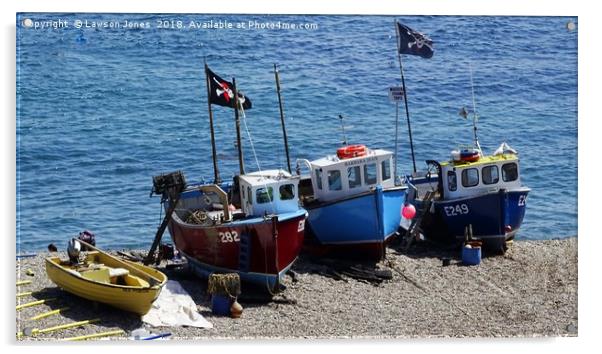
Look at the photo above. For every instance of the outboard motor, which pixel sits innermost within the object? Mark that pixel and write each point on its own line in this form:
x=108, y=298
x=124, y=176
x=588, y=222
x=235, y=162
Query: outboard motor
x=73, y=250
x=88, y=237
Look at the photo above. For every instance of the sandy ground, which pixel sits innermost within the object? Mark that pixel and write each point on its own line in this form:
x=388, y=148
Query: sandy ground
x=531, y=291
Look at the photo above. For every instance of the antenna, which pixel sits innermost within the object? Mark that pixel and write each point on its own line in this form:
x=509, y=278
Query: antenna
x=343, y=128
x=474, y=112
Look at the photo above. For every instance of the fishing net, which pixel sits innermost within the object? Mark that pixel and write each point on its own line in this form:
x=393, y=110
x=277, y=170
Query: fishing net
x=224, y=284
x=198, y=217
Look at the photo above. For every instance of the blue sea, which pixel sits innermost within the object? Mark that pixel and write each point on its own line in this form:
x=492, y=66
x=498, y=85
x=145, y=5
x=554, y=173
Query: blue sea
x=106, y=101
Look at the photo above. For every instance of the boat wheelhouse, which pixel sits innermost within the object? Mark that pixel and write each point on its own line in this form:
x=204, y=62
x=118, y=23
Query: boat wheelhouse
x=269, y=192
x=352, y=200
x=484, y=192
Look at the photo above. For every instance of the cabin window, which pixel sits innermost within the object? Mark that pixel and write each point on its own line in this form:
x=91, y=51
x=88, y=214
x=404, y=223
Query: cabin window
x=250, y=196
x=319, y=178
x=287, y=192
x=354, y=176
x=265, y=196
x=470, y=177
x=386, y=169
x=452, y=181
x=370, y=173
x=334, y=180
x=491, y=174
x=509, y=172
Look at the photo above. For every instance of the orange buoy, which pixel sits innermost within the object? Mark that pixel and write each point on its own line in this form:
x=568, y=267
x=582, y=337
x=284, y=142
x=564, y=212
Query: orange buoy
x=470, y=155
x=350, y=151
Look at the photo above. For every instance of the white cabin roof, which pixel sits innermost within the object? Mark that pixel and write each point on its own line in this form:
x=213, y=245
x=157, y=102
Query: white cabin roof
x=261, y=178
x=333, y=177
x=334, y=159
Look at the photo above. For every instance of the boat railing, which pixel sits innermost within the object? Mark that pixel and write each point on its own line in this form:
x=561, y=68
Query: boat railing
x=304, y=162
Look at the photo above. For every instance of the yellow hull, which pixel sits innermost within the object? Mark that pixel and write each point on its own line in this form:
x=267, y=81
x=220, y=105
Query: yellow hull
x=127, y=292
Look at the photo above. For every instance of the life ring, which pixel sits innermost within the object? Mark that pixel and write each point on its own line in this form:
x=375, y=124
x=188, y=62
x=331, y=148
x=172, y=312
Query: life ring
x=350, y=151
x=470, y=155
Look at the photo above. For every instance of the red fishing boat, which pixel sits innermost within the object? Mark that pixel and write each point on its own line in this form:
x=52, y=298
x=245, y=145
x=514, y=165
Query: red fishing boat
x=253, y=226
x=259, y=237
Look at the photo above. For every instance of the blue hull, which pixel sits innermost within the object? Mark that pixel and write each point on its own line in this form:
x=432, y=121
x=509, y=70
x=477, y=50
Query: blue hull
x=369, y=218
x=495, y=217
x=270, y=282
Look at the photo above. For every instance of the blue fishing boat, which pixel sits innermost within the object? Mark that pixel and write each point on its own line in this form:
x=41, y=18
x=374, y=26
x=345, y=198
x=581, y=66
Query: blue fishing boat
x=353, y=201
x=483, y=192
x=471, y=195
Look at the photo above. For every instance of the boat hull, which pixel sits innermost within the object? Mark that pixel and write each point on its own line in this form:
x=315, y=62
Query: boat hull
x=358, y=226
x=129, y=298
x=495, y=217
x=259, y=249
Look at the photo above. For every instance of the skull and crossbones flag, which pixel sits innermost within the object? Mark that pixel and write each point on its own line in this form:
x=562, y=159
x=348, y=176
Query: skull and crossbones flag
x=221, y=92
x=413, y=43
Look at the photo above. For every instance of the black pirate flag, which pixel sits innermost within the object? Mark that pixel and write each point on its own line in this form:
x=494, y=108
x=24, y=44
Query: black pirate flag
x=221, y=92
x=413, y=43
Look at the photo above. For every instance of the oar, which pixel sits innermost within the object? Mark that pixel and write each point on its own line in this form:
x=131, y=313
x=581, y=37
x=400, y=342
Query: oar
x=33, y=303
x=151, y=280
x=49, y=313
x=35, y=331
x=96, y=335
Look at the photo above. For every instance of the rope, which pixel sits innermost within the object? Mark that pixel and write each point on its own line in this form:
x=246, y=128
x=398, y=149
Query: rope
x=244, y=120
x=271, y=198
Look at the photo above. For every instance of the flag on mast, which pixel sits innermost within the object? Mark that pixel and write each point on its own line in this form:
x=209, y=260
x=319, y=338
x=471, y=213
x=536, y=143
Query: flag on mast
x=221, y=92
x=413, y=42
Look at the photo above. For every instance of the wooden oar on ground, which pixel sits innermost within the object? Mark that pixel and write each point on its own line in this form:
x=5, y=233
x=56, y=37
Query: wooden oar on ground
x=49, y=313
x=135, y=271
x=33, y=303
x=30, y=332
x=96, y=335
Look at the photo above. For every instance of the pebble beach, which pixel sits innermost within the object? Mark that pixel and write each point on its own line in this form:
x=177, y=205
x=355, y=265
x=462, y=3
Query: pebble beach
x=531, y=291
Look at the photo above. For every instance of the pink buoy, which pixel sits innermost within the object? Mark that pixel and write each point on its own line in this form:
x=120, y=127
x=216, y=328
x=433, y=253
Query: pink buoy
x=408, y=211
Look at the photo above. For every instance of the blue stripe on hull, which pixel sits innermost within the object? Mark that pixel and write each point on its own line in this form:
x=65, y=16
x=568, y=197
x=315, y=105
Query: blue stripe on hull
x=203, y=270
x=366, y=219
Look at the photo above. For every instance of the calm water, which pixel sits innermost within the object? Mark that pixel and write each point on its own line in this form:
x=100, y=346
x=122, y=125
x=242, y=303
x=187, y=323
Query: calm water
x=102, y=110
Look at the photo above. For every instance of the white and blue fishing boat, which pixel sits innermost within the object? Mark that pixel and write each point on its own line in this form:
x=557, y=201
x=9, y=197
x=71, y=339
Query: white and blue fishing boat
x=471, y=191
x=353, y=201
x=483, y=192
x=470, y=195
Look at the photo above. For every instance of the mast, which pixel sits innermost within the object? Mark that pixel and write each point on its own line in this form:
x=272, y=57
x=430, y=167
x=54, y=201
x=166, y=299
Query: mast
x=241, y=163
x=343, y=128
x=474, y=112
x=396, y=135
x=288, y=159
x=216, y=177
x=405, y=98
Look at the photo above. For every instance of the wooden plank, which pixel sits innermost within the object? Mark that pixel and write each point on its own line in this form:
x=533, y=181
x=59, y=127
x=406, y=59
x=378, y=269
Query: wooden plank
x=48, y=314
x=96, y=335
x=34, y=303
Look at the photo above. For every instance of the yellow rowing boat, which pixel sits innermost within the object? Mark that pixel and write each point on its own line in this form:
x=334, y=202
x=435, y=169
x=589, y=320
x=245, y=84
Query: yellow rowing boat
x=101, y=277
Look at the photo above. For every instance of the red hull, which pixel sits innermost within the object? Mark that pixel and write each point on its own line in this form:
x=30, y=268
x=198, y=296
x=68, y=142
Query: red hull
x=269, y=246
